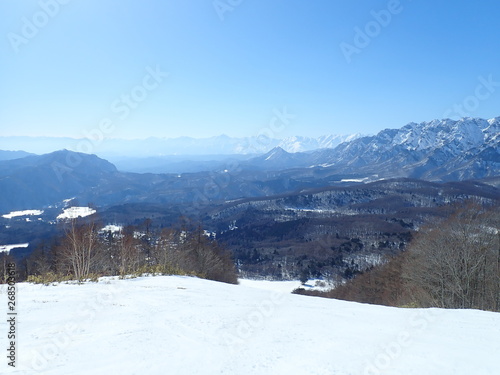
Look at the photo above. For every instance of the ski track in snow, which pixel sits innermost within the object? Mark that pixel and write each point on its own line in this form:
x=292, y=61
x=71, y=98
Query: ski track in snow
x=184, y=325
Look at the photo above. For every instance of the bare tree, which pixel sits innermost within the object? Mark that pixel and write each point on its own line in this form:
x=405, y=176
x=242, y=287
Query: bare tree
x=207, y=258
x=5, y=259
x=80, y=248
x=129, y=252
x=166, y=251
x=84, y=251
x=42, y=260
x=456, y=263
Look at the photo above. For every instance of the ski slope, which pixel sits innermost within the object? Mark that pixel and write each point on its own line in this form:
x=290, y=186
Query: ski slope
x=183, y=325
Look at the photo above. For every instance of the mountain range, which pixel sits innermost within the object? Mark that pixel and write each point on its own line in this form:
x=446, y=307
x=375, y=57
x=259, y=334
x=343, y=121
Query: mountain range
x=327, y=211
x=115, y=149
x=440, y=150
x=9, y=155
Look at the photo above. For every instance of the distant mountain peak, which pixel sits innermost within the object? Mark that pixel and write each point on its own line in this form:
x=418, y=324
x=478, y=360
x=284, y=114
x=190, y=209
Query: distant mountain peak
x=275, y=153
x=154, y=146
x=303, y=144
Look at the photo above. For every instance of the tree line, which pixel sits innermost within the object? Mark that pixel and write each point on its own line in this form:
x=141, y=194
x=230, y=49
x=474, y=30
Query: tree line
x=451, y=263
x=84, y=251
x=456, y=263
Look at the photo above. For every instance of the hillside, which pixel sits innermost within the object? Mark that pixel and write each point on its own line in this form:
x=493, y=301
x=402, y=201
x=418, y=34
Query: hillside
x=182, y=325
x=334, y=230
x=40, y=181
x=9, y=155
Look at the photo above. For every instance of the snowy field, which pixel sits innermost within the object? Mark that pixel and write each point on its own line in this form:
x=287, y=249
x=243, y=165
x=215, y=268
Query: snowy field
x=286, y=286
x=75, y=212
x=182, y=325
x=8, y=248
x=22, y=213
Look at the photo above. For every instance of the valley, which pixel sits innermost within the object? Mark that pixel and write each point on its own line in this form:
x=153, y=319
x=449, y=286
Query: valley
x=329, y=213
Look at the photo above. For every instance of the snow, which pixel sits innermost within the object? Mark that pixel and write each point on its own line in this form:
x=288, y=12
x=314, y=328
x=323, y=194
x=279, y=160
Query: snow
x=466, y=133
x=7, y=248
x=355, y=179
x=22, y=213
x=285, y=286
x=183, y=325
x=112, y=228
x=319, y=210
x=301, y=144
x=74, y=212
x=275, y=153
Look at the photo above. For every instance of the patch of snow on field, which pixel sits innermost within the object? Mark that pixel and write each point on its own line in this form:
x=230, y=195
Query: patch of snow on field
x=285, y=286
x=22, y=213
x=7, y=248
x=75, y=212
x=355, y=179
x=112, y=228
x=183, y=325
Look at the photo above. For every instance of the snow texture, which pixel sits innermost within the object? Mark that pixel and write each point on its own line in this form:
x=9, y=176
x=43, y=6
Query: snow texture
x=75, y=212
x=22, y=213
x=7, y=248
x=112, y=228
x=183, y=325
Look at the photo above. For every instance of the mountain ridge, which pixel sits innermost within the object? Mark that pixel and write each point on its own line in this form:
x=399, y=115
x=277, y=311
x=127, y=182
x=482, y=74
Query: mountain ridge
x=439, y=150
x=157, y=146
x=435, y=150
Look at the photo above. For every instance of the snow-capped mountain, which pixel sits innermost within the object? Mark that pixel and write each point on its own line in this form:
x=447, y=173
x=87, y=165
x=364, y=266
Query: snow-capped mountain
x=436, y=150
x=440, y=149
x=304, y=144
x=112, y=149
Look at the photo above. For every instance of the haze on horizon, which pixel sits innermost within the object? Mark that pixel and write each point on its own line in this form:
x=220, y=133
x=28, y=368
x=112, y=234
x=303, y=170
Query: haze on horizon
x=205, y=68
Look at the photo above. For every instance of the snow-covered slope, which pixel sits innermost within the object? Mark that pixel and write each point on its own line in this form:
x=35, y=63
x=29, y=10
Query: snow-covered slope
x=182, y=325
x=75, y=212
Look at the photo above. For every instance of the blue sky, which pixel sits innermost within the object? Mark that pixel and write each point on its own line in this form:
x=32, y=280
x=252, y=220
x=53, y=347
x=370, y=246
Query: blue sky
x=200, y=68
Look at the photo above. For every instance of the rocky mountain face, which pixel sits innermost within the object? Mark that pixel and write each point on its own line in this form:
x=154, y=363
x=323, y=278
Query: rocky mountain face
x=437, y=150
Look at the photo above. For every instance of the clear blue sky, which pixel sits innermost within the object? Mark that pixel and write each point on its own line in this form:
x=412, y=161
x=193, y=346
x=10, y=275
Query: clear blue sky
x=69, y=67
